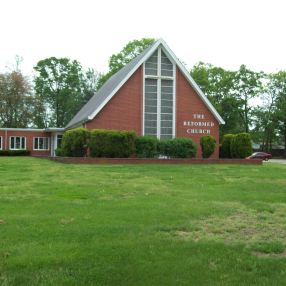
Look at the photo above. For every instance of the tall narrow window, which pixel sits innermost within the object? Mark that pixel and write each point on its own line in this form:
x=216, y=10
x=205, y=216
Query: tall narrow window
x=151, y=101
x=159, y=96
x=1, y=147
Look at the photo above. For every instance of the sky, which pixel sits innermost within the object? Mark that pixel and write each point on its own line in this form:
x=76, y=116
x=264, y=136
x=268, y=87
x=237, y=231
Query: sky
x=226, y=33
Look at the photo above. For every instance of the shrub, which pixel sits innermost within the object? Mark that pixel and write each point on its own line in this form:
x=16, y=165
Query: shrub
x=226, y=145
x=146, y=146
x=75, y=142
x=178, y=148
x=241, y=146
x=58, y=152
x=208, y=144
x=112, y=143
x=14, y=152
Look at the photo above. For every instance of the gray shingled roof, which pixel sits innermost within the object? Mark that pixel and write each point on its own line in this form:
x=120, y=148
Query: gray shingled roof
x=102, y=94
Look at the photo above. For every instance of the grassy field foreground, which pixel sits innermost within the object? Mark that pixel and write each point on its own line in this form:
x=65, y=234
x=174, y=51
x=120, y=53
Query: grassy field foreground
x=141, y=224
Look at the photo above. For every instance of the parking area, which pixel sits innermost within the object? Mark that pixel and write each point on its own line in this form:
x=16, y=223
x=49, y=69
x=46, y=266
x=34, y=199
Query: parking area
x=278, y=161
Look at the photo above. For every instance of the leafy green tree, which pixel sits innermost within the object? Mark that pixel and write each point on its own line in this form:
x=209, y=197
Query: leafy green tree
x=280, y=85
x=91, y=78
x=40, y=113
x=265, y=116
x=63, y=88
x=247, y=85
x=217, y=85
x=128, y=53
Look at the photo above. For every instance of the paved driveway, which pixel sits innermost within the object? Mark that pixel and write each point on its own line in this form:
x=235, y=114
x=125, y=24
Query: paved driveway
x=279, y=161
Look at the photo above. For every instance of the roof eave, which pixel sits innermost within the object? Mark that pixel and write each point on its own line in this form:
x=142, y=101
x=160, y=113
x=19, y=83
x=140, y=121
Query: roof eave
x=77, y=124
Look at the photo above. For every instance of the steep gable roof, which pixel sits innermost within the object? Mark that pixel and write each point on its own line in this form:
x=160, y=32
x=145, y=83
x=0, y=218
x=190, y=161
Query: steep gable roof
x=115, y=82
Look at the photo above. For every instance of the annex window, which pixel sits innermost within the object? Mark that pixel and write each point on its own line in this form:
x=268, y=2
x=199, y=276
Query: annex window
x=1, y=142
x=159, y=83
x=17, y=142
x=41, y=143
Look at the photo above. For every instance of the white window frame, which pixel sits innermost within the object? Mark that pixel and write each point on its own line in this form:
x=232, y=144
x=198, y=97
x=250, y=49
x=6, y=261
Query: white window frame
x=1, y=143
x=10, y=140
x=159, y=78
x=37, y=149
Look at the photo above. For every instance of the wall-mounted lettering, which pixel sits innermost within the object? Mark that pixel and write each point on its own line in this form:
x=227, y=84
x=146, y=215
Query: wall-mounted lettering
x=198, y=121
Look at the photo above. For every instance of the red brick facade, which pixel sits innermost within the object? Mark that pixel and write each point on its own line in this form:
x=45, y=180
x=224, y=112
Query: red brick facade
x=29, y=135
x=124, y=111
x=188, y=106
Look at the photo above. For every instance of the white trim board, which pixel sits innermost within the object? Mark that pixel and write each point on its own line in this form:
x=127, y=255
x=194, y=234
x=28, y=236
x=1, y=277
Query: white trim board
x=23, y=129
x=172, y=57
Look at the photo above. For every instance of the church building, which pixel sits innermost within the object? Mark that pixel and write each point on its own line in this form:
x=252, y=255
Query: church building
x=153, y=95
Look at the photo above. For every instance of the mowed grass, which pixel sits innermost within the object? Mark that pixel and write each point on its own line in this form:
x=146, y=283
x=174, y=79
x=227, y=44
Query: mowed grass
x=141, y=224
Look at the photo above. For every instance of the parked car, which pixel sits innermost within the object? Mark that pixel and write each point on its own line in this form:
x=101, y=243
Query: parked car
x=260, y=155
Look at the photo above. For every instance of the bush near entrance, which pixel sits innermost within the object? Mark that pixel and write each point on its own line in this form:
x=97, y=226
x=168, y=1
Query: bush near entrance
x=75, y=142
x=208, y=144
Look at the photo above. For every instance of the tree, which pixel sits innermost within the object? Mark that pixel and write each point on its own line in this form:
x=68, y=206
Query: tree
x=91, y=78
x=246, y=86
x=265, y=116
x=63, y=88
x=128, y=53
x=16, y=100
x=217, y=85
x=280, y=84
x=40, y=116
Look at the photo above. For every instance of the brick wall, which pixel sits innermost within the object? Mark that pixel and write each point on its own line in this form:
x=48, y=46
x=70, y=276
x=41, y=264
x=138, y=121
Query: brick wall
x=124, y=110
x=188, y=105
x=29, y=140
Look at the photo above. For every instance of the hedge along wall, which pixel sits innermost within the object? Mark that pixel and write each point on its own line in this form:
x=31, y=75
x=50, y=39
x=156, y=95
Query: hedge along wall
x=75, y=143
x=14, y=152
x=146, y=146
x=177, y=148
x=122, y=144
x=112, y=143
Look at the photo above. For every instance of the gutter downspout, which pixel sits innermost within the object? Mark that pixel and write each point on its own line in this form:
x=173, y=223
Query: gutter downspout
x=5, y=147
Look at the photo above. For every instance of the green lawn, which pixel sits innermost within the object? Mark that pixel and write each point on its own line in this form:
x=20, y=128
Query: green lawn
x=141, y=224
